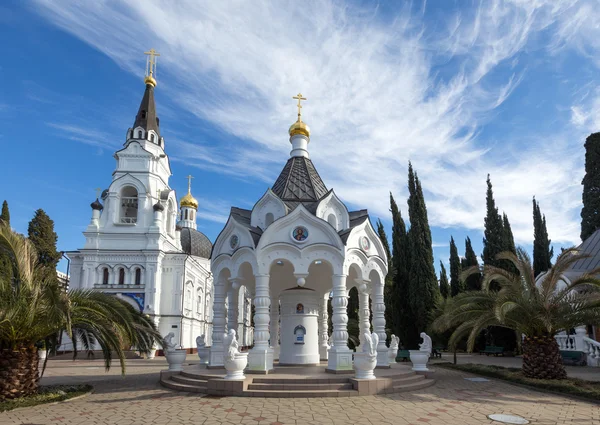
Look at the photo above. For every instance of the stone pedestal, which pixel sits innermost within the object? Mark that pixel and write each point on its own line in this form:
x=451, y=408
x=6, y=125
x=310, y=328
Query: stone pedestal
x=260, y=360
x=340, y=359
x=215, y=358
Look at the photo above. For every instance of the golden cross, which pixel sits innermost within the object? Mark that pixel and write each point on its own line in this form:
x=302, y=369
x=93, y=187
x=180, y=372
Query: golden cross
x=299, y=97
x=151, y=61
x=189, y=178
x=98, y=190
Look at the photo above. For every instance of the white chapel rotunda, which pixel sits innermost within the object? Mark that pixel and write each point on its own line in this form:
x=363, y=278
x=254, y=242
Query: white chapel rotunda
x=297, y=247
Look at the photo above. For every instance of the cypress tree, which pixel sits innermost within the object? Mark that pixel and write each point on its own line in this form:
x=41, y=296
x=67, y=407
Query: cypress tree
x=41, y=234
x=590, y=213
x=5, y=260
x=444, y=287
x=494, y=239
x=456, y=285
x=422, y=277
x=402, y=314
x=542, y=253
x=5, y=216
x=473, y=282
x=497, y=238
x=509, y=240
x=386, y=247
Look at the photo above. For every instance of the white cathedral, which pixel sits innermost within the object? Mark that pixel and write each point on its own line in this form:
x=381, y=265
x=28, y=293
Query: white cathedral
x=144, y=249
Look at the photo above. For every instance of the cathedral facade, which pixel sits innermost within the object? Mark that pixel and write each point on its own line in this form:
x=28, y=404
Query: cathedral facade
x=143, y=247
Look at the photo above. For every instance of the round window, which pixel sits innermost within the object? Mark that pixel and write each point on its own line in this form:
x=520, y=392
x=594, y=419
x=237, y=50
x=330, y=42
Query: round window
x=234, y=241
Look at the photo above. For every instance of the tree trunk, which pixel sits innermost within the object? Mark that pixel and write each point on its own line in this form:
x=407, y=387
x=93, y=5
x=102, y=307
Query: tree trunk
x=541, y=358
x=18, y=372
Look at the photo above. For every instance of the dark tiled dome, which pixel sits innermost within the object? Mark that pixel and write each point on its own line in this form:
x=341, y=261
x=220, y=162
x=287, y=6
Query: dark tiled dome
x=195, y=243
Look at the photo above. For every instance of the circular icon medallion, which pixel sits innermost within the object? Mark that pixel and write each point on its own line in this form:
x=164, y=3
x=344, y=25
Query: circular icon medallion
x=300, y=234
x=365, y=244
x=234, y=241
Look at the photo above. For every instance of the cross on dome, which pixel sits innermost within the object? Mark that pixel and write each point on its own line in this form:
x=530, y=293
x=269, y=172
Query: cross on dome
x=151, y=67
x=299, y=127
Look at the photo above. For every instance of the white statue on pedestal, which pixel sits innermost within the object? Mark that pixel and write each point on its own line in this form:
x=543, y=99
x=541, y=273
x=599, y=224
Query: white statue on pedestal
x=168, y=342
x=175, y=356
x=234, y=361
x=203, y=350
x=420, y=357
x=366, y=361
x=426, y=345
x=393, y=350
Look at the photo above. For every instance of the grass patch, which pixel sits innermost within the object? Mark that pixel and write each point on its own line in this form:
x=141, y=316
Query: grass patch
x=569, y=386
x=46, y=394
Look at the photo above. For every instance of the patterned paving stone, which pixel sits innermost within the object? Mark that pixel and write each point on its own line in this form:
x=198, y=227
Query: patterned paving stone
x=138, y=399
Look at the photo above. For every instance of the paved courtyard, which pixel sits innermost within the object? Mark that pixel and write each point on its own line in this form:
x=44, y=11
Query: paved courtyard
x=138, y=399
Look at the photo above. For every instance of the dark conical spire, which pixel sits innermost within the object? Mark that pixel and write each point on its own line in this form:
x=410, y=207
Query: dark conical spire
x=146, y=116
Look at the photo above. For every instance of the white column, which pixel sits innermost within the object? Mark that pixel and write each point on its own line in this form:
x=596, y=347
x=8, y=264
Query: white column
x=260, y=358
x=275, y=327
x=323, y=331
x=216, y=349
x=379, y=324
x=233, y=307
x=363, y=310
x=340, y=356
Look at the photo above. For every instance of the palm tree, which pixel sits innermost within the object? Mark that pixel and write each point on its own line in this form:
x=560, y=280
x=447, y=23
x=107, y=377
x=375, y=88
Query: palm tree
x=35, y=308
x=537, y=310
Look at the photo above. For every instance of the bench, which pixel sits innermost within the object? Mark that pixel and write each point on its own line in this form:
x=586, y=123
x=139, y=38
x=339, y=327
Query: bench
x=402, y=356
x=492, y=349
x=437, y=351
x=573, y=358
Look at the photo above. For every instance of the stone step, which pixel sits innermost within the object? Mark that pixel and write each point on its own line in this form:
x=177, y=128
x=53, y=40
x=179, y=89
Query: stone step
x=424, y=383
x=332, y=380
x=189, y=381
x=201, y=376
x=300, y=387
x=408, y=379
x=168, y=383
x=300, y=393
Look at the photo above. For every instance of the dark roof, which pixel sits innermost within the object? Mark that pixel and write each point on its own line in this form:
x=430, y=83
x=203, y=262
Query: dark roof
x=242, y=216
x=299, y=182
x=195, y=243
x=356, y=218
x=96, y=205
x=591, y=248
x=146, y=116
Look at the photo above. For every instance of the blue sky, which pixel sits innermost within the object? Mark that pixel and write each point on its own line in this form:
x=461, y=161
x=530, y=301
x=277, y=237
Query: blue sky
x=461, y=88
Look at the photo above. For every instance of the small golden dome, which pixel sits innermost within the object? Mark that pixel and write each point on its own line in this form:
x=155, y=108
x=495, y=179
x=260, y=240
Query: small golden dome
x=299, y=127
x=150, y=80
x=189, y=201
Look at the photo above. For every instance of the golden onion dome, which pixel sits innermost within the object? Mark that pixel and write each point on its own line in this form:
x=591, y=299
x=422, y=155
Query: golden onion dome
x=299, y=127
x=189, y=201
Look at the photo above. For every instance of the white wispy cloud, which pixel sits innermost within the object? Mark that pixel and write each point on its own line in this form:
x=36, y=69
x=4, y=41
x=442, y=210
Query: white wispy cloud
x=86, y=135
x=379, y=94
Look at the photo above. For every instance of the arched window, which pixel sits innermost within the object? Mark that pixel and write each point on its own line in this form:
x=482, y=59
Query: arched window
x=268, y=219
x=139, y=134
x=199, y=304
x=152, y=137
x=138, y=276
x=299, y=332
x=332, y=219
x=129, y=205
x=186, y=214
x=121, y=276
x=105, y=276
